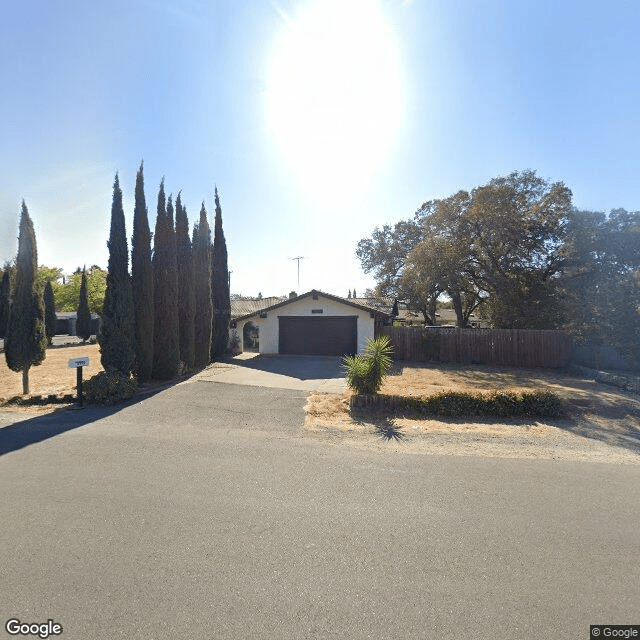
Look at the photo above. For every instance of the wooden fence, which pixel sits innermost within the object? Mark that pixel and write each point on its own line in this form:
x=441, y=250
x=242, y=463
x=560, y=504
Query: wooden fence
x=511, y=347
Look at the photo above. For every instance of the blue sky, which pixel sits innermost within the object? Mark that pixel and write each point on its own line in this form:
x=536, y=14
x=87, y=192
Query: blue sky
x=317, y=119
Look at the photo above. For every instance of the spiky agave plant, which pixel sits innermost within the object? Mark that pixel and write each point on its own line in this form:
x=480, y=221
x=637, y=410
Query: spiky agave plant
x=365, y=373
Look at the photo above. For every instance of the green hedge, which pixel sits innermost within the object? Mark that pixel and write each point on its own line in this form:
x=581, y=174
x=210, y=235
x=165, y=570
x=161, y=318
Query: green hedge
x=38, y=400
x=456, y=404
x=109, y=387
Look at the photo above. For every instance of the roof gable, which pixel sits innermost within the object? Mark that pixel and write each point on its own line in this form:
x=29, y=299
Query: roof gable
x=310, y=294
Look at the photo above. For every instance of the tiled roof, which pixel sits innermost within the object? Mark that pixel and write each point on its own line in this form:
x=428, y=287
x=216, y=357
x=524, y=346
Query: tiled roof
x=247, y=306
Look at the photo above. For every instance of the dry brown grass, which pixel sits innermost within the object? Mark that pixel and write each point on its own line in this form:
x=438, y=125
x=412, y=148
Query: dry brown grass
x=52, y=377
x=603, y=422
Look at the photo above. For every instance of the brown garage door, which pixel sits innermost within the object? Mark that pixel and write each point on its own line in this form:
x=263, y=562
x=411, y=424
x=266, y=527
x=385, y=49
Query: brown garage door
x=318, y=336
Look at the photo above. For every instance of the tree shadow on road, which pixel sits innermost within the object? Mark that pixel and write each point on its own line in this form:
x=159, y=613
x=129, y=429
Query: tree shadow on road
x=25, y=428
x=30, y=429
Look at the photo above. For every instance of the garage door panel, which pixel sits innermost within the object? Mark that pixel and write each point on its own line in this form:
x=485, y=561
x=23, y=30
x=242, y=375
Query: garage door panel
x=318, y=336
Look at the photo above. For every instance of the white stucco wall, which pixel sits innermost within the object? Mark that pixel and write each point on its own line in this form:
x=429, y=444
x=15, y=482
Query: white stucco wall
x=269, y=326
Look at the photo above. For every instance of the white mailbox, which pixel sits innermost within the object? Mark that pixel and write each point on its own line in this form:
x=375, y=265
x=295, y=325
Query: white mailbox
x=74, y=363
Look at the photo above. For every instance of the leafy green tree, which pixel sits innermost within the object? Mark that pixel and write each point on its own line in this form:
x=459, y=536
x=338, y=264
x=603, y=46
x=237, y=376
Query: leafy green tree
x=186, y=291
x=116, y=336
x=50, y=318
x=423, y=279
x=142, y=282
x=83, y=317
x=446, y=248
x=385, y=254
x=602, y=281
x=516, y=229
x=26, y=341
x=67, y=294
x=219, y=287
x=202, y=285
x=166, y=345
x=48, y=274
x=5, y=301
x=500, y=246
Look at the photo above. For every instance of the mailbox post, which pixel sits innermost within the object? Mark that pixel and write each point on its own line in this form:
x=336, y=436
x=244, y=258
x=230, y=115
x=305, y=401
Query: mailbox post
x=77, y=364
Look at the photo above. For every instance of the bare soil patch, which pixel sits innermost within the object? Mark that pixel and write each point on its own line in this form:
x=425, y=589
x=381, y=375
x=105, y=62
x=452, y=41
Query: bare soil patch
x=603, y=422
x=52, y=377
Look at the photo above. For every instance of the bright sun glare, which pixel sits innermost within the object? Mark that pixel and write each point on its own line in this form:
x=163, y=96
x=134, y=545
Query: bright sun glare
x=335, y=95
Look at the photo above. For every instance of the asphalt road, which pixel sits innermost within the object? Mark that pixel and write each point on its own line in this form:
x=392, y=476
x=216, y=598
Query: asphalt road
x=204, y=512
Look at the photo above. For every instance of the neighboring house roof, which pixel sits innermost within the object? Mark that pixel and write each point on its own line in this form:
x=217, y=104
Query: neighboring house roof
x=386, y=305
x=66, y=315
x=347, y=301
x=405, y=315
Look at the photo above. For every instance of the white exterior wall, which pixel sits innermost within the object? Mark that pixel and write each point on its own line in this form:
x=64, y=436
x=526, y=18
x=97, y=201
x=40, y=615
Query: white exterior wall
x=269, y=326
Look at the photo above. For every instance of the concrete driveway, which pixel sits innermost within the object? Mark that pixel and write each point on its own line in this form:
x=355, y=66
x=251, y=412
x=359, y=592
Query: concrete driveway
x=301, y=373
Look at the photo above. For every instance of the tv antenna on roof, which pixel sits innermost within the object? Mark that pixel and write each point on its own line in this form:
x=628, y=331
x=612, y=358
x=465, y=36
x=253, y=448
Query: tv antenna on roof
x=298, y=259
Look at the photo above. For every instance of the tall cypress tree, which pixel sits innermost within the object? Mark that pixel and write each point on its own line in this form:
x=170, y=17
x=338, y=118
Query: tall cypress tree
x=116, y=336
x=83, y=316
x=26, y=342
x=50, y=318
x=166, y=347
x=202, y=283
x=142, y=283
x=5, y=301
x=186, y=291
x=219, y=287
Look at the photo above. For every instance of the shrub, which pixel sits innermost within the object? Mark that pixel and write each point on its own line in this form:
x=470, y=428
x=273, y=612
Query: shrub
x=365, y=373
x=498, y=404
x=457, y=404
x=234, y=343
x=109, y=387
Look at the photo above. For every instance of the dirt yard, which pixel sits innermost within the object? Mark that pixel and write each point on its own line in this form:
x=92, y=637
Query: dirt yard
x=52, y=376
x=603, y=422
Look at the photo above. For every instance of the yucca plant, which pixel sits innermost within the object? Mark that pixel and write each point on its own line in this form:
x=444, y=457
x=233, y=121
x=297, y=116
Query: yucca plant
x=365, y=373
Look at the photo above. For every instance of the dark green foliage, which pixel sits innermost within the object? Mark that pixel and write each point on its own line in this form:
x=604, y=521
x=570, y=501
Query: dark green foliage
x=26, y=341
x=109, y=387
x=458, y=404
x=50, y=319
x=498, y=248
x=5, y=302
x=365, y=373
x=83, y=317
x=116, y=337
x=142, y=283
x=219, y=287
x=186, y=291
x=202, y=285
x=166, y=346
x=501, y=405
x=40, y=400
x=603, y=281
x=67, y=295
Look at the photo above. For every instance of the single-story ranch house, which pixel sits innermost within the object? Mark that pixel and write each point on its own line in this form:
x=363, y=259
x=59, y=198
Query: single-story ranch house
x=66, y=323
x=314, y=323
